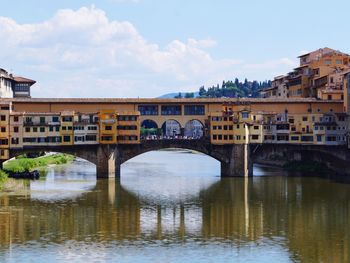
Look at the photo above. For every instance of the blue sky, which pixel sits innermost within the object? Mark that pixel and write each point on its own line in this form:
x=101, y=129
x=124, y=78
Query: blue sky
x=145, y=48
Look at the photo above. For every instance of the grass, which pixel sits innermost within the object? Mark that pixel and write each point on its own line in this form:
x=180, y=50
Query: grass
x=3, y=178
x=23, y=164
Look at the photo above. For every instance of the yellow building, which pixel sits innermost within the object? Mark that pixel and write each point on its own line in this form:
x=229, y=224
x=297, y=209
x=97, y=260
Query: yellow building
x=66, y=130
x=128, y=128
x=16, y=130
x=108, y=126
x=221, y=128
x=5, y=110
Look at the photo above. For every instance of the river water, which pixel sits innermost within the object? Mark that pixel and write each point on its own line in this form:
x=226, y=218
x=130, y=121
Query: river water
x=172, y=206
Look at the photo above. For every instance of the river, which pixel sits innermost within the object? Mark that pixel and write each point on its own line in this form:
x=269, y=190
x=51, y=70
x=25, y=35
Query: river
x=172, y=206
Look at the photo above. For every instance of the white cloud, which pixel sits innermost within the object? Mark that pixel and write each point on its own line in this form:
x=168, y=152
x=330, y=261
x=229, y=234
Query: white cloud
x=83, y=54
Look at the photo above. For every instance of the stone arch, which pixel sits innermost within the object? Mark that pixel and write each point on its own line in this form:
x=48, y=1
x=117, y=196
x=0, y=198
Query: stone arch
x=194, y=128
x=203, y=146
x=171, y=128
x=335, y=158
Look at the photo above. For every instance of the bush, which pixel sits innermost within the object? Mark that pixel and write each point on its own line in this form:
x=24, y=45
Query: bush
x=3, y=178
x=27, y=164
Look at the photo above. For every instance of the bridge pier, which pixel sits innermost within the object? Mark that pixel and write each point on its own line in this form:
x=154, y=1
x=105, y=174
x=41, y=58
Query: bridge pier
x=108, y=161
x=239, y=163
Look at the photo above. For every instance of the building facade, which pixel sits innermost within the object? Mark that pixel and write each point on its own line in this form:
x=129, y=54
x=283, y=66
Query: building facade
x=14, y=86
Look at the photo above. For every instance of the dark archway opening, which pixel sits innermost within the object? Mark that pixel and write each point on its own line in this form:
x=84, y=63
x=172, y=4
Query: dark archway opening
x=149, y=129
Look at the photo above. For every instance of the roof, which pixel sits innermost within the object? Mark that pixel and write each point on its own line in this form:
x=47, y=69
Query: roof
x=304, y=66
x=280, y=77
x=158, y=101
x=323, y=52
x=25, y=80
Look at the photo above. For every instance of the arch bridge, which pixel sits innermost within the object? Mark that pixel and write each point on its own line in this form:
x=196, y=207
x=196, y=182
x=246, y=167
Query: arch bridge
x=235, y=159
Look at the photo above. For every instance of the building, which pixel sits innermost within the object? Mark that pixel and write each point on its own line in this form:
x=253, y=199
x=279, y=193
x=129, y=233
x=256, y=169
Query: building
x=14, y=86
x=319, y=75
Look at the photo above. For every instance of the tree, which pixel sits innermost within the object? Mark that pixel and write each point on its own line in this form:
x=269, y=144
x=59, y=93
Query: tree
x=202, y=91
x=189, y=95
x=179, y=96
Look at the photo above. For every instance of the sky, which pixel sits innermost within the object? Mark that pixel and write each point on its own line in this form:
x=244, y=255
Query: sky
x=147, y=48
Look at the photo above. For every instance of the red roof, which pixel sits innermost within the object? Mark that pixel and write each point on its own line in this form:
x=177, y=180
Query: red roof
x=21, y=79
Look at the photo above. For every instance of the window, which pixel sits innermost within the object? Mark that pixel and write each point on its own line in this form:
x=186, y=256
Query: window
x=194, y=110
x=15, y=140
x=215, y=137
x=67, y=118
x=108, y=128
x=66, y=138
x=42, y=120
x=64, y=128
x=237, y=126
x=341, y=118
x=256, y=127
x=319, y=138
x=245, y=114
x=15, y=129
x=42, y=129
x=225, y=127
x=304, y=118
x=35, y=129
x=255, y=137
x=327, y=62
x=15, y=118
x=220, y=137
x=225, y=137
x=4, y=142
x=90, y=138
x=148, y=109
x=294, y=138
x=3, y=117
x=238, y=137
x=107, y=138
x=171, y=110
x=3, y=129
x=307, y=138
x=55, y=119
x=27, y=129
x=329, y=97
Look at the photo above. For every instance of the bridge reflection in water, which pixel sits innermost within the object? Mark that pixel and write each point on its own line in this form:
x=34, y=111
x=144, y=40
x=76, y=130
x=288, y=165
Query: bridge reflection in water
x=307, y=216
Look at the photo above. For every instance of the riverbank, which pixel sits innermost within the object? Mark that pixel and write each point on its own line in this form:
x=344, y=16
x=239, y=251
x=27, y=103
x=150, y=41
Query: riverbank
x=3, y=178
x=24, y=164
